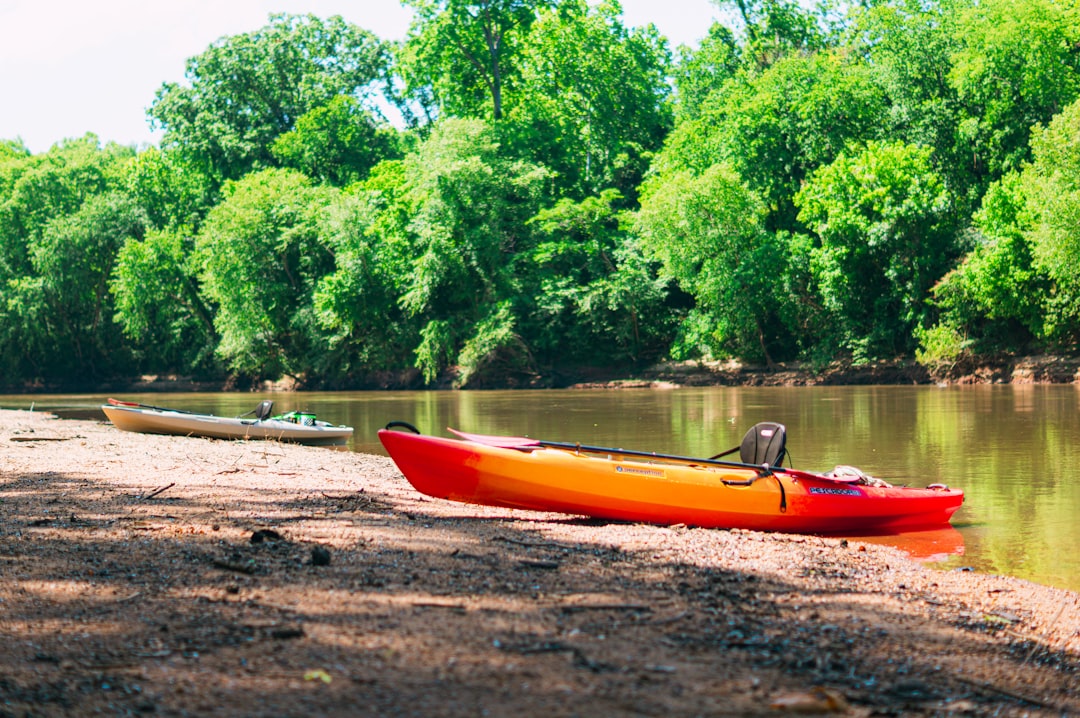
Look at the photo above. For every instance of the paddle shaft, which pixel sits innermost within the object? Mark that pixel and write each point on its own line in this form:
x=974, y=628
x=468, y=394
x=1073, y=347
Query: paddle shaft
x=523, y=443
x=117, y=402
x=653, y=455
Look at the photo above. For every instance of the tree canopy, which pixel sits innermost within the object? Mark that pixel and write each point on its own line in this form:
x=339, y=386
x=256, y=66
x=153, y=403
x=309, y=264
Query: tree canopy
x=857, y=181
x=245, y=91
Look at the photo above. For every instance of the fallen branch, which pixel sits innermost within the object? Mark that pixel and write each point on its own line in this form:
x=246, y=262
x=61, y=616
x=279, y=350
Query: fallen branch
x=1053, y=623
x=40, y=438
x=571, y=607
x=248, y=568
x=1004, y=691
x=162, y=490
x=538, y=544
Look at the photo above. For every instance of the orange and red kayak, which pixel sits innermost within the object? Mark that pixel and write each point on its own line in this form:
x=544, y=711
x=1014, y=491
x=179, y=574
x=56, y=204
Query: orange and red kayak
x=608, y=483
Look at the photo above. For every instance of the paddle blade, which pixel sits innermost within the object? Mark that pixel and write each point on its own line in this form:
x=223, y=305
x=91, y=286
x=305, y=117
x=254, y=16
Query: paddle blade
x=505, y=442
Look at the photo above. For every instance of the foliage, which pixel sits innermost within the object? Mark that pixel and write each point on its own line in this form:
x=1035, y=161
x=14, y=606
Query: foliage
x=1018, y=286
x=993, y=301
x=707, y=231
x=464, y=53
x=1051, y=186
x=61, y=311
x=44, y=187
x=886, y=235
x=469, y=207
x=260, y=255
x=245, y=91
x=907, y=46
x=337, y=143
x=13, y=149
x=1017, y=66
x=159, y=305
x=775, y=128
x=804, y=184
x=775, y=29
x=594, y=297
x=357, y=304
x=171, y=192
x=701, y=70
x=61, y=223
x=593, y=101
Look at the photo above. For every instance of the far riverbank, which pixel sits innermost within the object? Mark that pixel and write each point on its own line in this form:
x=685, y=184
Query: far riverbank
x=1042, y=369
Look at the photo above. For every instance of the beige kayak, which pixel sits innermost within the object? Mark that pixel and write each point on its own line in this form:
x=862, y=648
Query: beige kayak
x=157, y=420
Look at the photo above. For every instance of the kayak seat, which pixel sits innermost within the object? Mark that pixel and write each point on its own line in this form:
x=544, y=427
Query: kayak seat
x=262, y=411
x=765, y=443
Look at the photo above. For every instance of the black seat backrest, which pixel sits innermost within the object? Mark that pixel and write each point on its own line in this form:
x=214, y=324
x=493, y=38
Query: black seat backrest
x=262, y=411
x=765, y=443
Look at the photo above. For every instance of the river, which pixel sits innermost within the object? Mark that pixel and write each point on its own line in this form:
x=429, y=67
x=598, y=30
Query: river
x=1012, y=448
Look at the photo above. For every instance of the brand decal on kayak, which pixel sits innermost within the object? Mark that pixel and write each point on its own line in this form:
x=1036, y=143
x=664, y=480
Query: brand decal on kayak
x=657, y=473
x=835, y=492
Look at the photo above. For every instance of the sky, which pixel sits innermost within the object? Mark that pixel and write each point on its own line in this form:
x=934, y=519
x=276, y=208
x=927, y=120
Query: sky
x=68, y=68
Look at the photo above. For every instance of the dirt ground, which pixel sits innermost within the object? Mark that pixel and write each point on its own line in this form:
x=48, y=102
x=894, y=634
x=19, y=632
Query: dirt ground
x=175, y=576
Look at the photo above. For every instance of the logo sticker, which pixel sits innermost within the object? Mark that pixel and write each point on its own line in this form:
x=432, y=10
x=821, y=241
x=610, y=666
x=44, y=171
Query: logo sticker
x=836, y=492
x=655, y=473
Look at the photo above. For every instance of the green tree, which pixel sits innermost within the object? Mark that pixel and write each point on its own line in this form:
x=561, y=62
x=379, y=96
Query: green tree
x=337, y=143
x=1051, y=186
x=468, y=206
x=775, y=29
x=159, y=305
x=464, y=52
x=245, y=91
x=1017, y=66
x=909, y=47
x=1016, y=290
x=591, y=294
x=13, y=149
x=358, y=303
x=260, y=256
x=700, y=71
x=56, y=210
x=707, y=231
x=61, y=311
x=171, y=191
x=776, y=128
x=886, y=232
x=44, y=187
x=594, y=98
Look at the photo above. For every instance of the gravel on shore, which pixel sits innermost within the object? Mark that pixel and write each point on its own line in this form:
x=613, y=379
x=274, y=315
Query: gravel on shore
x=178, y=576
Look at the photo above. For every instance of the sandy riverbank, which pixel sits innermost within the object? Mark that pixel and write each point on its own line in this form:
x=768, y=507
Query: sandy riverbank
x=177, y=576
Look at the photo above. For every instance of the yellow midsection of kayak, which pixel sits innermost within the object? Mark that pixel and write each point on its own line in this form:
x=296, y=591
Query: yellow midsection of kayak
x=566, y=478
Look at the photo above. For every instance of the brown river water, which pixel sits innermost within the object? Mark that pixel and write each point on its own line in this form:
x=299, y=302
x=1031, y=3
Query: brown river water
x=1012, y=448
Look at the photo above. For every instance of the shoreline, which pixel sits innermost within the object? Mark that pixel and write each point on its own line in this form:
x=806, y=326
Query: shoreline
x=173, y=575
x=1039, y=369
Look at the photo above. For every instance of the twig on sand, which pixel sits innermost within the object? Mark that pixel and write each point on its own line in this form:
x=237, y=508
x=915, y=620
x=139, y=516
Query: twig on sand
x=1004, y=691
x=572, y=607
x=534, y=544
x=240, y=567
x=40, y=438
x=162, y=490
x=1052, y=623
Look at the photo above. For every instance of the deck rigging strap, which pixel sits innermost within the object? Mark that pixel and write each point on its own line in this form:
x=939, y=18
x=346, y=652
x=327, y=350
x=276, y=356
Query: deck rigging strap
x=764, y=471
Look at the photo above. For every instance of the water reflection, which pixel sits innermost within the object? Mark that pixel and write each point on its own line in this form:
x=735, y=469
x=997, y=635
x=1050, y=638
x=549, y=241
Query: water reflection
x=933, y=546
x=1011, y=448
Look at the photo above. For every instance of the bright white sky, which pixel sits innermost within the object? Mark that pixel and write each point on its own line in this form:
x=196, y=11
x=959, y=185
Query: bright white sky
x=68, y=68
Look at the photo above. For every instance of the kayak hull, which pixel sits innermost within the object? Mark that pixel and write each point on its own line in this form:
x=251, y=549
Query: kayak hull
x=661, y=491
x=163, y=421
